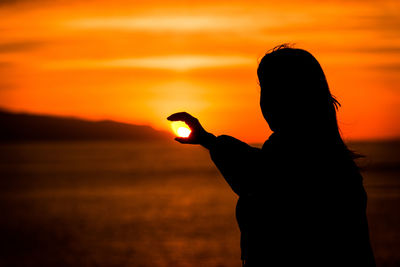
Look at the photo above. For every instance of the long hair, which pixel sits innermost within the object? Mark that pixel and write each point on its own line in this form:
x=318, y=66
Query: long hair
x=295, y=96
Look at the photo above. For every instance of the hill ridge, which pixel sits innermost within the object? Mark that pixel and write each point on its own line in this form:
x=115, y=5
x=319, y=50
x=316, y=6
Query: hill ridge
x=35, y=127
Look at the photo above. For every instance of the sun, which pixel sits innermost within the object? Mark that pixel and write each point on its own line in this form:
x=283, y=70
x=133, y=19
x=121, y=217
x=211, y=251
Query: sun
x=181, y=129
x=183, y=132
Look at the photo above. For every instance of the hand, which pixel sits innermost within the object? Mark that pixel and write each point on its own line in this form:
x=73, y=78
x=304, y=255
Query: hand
x=198, y=134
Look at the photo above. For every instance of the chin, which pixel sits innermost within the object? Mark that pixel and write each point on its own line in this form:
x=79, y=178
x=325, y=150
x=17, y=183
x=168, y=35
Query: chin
x=272, y=127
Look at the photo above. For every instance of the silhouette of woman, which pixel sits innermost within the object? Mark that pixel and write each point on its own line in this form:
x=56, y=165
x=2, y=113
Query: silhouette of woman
x=301, y=196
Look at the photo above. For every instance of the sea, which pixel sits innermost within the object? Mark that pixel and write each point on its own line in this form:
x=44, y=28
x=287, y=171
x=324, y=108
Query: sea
x=145, y=204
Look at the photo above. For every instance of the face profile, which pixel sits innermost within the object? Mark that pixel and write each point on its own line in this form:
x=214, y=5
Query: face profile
x=294, y=92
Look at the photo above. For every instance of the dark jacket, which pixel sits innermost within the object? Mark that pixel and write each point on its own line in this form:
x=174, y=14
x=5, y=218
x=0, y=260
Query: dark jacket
x=299, y=204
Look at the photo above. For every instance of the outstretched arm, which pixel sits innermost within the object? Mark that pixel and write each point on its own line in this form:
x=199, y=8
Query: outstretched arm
x=239, y=163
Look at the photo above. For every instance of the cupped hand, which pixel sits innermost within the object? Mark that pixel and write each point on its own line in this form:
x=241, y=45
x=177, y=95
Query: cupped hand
x=198, y=135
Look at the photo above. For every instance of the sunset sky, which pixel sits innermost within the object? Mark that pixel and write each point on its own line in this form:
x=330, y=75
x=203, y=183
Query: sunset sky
x=140, y=61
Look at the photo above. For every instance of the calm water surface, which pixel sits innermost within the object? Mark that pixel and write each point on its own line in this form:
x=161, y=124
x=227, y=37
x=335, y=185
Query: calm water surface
x=147, y=204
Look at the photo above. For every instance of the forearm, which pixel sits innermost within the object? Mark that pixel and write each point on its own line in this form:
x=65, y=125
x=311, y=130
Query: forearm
x=208, y=141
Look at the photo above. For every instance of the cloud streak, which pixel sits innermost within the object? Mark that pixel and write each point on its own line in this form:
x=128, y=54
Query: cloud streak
x=194, y=22
x=19, y=46
x=162, y=23
x=173, y=63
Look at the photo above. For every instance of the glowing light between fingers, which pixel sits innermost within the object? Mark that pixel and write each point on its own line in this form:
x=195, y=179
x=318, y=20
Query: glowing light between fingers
x=183, y=132
x=181, y=129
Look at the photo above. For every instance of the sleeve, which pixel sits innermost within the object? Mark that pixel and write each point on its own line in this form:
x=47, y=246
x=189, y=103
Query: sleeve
x=239, y=163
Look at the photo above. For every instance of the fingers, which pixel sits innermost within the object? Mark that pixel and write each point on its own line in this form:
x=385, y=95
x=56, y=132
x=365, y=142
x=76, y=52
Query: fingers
x=183, y=116
x=183, y=140
x=180, y=116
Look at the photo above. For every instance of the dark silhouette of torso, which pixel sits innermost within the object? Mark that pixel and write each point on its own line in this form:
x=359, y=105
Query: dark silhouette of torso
x=301, y=197
x=299, y=202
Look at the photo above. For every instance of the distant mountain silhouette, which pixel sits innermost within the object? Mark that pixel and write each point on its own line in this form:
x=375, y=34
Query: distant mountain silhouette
x=31, y=127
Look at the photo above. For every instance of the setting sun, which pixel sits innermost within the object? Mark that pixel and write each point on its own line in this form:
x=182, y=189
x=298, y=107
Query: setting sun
x=183, y=132
x=181, y=129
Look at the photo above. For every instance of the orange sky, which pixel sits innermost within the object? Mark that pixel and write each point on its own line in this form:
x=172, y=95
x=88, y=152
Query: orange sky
x=140, y=61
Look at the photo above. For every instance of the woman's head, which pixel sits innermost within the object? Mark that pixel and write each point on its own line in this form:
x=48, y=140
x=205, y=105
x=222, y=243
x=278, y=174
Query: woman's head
x=295, y=96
